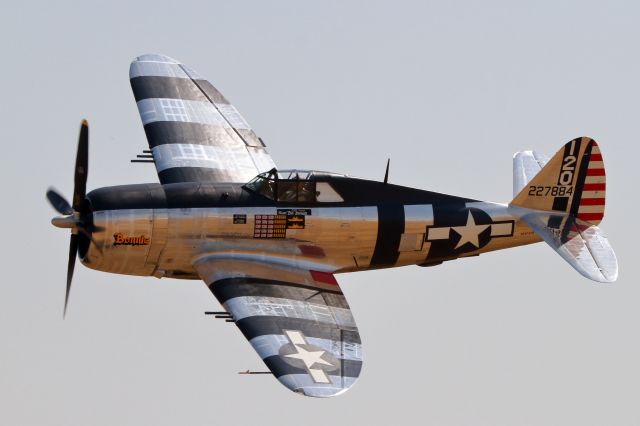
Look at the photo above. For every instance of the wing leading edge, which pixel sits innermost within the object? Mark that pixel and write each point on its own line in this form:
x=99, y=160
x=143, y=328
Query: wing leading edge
x=193, y=131
x=297, y=320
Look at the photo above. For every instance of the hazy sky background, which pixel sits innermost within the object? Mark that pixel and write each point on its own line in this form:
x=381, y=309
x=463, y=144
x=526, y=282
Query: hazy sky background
x=448, y=90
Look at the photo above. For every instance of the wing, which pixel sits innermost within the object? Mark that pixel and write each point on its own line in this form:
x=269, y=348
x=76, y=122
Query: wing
x=526, y=164
x=194, y=133
x=296, y=319
x=583, y=245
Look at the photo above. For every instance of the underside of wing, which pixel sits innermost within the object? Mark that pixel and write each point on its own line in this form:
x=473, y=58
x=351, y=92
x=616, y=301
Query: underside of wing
x=583, y=245
x=297, y=320
x=194, y=133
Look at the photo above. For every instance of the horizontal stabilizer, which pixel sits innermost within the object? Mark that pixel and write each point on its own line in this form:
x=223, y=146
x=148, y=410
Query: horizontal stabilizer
x=526, y=164
x=583, y=245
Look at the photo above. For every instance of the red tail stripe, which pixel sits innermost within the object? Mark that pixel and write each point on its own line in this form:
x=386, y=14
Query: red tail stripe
x=590, y=216
x=595, y=172
x=592, y=201
x=594, y=187
x=595, y=157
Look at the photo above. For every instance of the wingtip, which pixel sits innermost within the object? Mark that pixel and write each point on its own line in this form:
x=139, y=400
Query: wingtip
x=155, y=64
x=304, y=386
x=155, y=57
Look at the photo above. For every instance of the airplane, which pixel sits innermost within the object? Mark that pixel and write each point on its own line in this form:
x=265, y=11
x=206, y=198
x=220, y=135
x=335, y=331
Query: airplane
x=268, y=243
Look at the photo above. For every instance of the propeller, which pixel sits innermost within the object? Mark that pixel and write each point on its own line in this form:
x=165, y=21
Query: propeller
x=74, y=216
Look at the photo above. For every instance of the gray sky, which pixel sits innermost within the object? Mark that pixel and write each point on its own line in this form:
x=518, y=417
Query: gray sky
x=448, y=90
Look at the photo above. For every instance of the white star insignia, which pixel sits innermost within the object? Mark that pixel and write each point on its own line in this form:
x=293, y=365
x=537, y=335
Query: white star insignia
x=469, y=233
x=308, y=357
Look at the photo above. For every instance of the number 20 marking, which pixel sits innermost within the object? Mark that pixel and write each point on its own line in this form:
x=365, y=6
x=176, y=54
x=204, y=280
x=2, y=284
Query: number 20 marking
x=568, y=166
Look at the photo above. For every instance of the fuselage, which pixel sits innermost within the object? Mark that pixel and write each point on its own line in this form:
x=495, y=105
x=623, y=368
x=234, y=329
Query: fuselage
x=160, y=230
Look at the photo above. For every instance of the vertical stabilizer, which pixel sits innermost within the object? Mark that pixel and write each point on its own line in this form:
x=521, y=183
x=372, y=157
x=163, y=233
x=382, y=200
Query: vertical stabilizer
x=572, y=182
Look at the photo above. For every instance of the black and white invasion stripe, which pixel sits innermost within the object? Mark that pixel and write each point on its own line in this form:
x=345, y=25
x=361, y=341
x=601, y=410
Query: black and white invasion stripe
x=194, y=133
x=268, y=312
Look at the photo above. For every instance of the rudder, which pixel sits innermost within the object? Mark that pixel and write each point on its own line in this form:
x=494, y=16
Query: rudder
x=572, y=182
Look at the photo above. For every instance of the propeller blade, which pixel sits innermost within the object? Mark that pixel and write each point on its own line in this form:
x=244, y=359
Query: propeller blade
x=58, y=202
x=93, y=228
x=82, y=166
x=87, y=234
x=73, y=250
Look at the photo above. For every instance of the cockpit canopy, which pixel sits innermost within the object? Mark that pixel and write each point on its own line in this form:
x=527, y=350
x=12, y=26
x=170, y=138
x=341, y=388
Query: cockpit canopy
x=296, y=186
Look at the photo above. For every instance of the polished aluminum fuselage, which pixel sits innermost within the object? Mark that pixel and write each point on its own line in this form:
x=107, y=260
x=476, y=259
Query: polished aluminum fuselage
x=165, y=241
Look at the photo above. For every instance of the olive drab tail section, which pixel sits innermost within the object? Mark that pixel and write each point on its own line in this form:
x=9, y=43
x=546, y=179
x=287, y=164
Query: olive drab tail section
x=572, y=181
x=563, y=204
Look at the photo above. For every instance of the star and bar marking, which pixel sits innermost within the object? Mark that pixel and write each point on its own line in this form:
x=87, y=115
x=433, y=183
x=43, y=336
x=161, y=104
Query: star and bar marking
x=470, y=231
x=308, y=357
